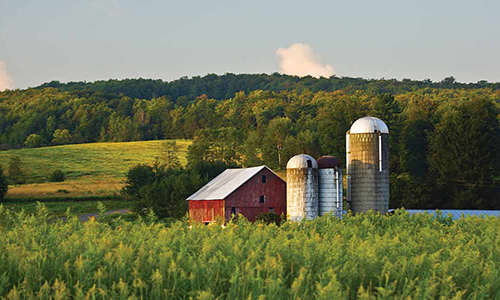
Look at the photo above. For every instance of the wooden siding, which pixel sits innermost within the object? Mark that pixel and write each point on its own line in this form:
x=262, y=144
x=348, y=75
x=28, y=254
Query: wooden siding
x=246, y=199
x=206, y=210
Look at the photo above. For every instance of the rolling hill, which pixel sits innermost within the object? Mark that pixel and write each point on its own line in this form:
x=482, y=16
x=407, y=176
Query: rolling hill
x=92, y=170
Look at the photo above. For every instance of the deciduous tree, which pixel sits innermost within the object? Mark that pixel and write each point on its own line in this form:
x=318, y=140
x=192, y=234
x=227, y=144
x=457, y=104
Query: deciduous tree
x=33, y=140
x=61, y=137
x=16, y=175
x=465, y=154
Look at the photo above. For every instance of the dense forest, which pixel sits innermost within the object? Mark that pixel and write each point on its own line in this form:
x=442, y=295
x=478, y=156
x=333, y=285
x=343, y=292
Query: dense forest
x=225, y=86
x=445, y=136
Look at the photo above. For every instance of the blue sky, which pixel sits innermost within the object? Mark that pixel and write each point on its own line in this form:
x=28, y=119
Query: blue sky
x=73, y=40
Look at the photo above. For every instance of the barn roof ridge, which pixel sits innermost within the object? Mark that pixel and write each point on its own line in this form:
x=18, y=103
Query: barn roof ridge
x=226, y=183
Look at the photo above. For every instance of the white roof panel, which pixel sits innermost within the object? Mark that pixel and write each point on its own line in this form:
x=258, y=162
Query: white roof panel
x=227, y=182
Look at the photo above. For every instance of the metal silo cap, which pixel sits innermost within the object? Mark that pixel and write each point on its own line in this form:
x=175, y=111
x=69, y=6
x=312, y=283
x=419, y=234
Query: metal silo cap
x=328, y=162
x=302, y=161
x=369, y=125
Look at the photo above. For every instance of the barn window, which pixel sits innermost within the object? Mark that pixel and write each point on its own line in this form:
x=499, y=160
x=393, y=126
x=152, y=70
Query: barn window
x=264, y=179
x=233, y=210
x=271, y=209
x=309, y=163
x=262, y=199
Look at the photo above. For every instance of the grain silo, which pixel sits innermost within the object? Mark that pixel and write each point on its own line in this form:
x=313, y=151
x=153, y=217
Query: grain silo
x=367, y=147
x=302, y=188
x=330, y=186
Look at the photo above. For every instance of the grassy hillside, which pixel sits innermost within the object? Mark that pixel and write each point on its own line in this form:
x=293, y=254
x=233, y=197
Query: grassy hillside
x=91, y=170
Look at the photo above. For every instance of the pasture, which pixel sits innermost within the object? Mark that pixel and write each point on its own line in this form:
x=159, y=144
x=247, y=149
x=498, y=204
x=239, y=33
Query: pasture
x=94, y=170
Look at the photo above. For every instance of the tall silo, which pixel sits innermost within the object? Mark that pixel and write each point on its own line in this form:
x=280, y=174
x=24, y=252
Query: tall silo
x=367, y=147
x=301, y=188
x=330, y=186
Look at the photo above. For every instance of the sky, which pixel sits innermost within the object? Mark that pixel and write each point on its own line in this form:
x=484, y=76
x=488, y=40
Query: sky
x=88, y=40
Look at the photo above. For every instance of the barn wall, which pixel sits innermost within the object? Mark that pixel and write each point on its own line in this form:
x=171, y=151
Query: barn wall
x=246, y=199
x=205, y=210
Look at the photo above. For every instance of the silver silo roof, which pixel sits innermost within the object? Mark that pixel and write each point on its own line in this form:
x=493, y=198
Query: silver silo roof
x=300, y=162
x=369, y=125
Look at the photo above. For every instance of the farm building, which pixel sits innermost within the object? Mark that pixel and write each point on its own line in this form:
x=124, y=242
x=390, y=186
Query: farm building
x=248, y=191
x=367, y=165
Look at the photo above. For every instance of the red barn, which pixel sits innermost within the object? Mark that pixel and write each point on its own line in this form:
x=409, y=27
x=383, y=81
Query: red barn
x=248, y=192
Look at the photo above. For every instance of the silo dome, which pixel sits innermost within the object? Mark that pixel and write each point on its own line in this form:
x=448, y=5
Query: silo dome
x=301, y=188
x=369, y=125
x=328, y=162
x=302, y=161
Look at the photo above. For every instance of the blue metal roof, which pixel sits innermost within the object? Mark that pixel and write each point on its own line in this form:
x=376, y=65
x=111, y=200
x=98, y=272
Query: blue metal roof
x=455, y=213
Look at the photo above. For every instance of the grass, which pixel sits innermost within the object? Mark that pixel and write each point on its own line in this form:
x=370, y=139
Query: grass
x=95, y=160
x=92, y=170
x=84, y=188
x=58, y=208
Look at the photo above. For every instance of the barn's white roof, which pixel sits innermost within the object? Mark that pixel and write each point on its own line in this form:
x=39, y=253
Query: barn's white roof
x=369, y=125
x=227, y=182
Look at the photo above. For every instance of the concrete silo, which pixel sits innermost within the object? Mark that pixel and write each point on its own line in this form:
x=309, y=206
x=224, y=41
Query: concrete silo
x=367, y=156
x=330, y=186
x=302, y=188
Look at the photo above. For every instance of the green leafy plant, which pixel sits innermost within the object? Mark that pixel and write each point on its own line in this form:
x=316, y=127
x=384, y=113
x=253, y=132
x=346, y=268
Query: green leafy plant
x=365, y=256
x=268, y=218
x=102, y=208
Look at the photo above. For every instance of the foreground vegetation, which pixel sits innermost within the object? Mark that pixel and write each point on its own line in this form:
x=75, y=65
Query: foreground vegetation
x=359, y=257
x=60, y=208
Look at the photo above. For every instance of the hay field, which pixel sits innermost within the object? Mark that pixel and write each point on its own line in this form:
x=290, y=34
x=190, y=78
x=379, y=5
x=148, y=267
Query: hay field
x=92, y=170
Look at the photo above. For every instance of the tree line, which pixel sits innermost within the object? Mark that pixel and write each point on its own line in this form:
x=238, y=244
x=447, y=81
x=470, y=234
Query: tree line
x=445, y=137
x=225, y=86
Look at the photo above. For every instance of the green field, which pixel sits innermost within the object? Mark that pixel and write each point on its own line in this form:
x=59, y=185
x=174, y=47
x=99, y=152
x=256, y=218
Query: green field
x=360, y=257
x=92, y=170
x=59, y=208
x=95, y=160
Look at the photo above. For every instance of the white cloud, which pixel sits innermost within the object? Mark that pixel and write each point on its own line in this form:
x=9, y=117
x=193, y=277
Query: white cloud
x=299, y=59
x=6, y=81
